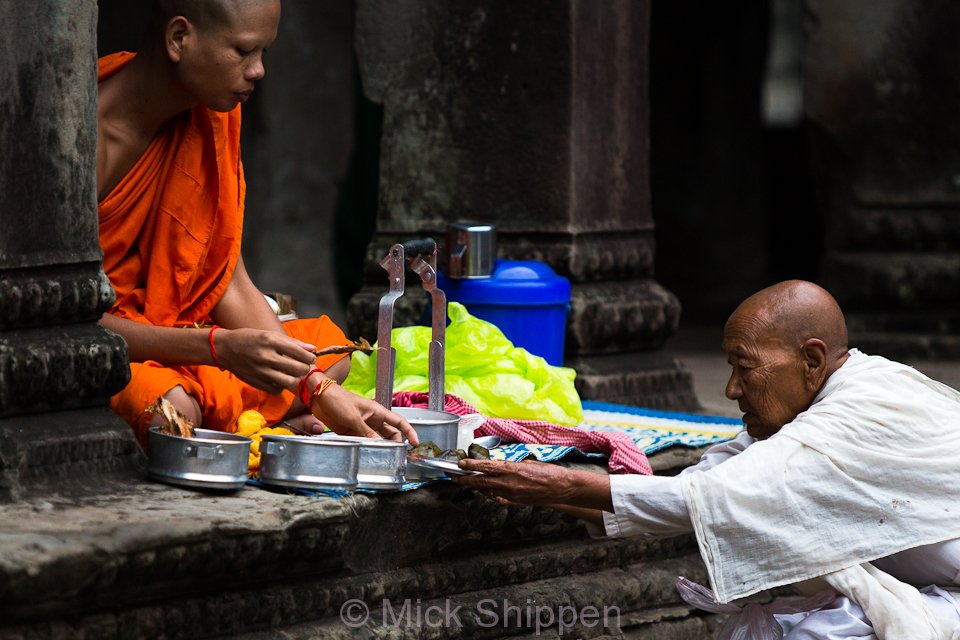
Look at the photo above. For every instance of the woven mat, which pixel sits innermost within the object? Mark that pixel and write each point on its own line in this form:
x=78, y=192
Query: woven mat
x=650, y=430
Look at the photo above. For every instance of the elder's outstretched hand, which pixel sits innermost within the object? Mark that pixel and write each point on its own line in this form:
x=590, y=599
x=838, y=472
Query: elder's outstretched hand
x=518, y=482
x=537, y=483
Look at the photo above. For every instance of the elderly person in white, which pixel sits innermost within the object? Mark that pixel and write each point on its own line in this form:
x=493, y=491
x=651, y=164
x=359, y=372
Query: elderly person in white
x=848, y=471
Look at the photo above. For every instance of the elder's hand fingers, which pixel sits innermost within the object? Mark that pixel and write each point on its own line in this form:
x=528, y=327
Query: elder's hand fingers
x=470, y=464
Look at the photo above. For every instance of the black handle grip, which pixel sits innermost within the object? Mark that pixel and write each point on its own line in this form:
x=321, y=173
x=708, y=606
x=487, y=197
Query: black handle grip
x=413, y=248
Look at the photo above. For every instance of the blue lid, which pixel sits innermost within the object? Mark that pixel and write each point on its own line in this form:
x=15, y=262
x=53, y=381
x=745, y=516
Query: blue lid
x=513, y=282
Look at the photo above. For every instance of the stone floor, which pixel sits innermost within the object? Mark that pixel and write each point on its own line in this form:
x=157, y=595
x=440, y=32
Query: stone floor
x=122, y=557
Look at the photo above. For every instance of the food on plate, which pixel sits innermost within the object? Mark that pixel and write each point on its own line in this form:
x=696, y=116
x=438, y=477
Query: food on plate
x=430, y=450
x=477, y=452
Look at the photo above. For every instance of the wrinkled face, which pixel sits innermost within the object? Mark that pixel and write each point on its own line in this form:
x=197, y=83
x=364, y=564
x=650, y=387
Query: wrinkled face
x=768, y=378
x=221, y=63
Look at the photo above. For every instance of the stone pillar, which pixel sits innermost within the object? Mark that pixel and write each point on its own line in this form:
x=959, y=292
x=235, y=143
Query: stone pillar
x=532, y=116
x=57, y=366
x=880, y=93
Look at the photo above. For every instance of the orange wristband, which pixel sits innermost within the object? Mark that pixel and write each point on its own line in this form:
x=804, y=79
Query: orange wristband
x=323, y=386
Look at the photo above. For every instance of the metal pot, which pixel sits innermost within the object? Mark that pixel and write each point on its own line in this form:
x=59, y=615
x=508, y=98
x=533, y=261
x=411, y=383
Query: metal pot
x=382, y=464
x=440, y=427
x=211, y=460
x=308, y=463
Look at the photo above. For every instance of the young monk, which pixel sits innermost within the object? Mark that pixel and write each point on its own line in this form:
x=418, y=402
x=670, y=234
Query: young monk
x=171, y=194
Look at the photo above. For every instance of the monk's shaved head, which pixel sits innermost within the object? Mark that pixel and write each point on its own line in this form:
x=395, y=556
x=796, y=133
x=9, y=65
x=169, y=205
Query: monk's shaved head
x=782, y=343
x=204, y=14
x=792, y=312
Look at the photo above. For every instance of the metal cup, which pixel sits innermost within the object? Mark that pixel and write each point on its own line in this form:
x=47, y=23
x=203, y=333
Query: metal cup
x=471, y=250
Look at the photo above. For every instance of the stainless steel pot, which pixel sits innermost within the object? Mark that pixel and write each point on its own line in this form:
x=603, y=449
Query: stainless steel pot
x=440, y=427
x=382, y=463
x=211, y=460
x=437, y=426
x=309, y=463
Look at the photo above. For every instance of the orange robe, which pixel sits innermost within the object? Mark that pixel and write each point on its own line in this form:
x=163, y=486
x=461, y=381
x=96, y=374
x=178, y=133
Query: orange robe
x=170, y=234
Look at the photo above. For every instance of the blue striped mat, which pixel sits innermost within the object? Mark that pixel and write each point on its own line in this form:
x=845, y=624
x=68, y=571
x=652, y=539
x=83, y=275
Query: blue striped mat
x=650, y=430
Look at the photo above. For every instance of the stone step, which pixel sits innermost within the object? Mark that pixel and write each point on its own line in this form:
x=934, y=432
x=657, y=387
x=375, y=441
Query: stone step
x=903, y=229
x=118, y=556
x=643, y=378
x=580, y=573
x=591, y=604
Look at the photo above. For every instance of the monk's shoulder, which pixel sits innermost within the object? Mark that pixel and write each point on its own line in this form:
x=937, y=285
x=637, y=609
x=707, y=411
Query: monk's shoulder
x=117, y=147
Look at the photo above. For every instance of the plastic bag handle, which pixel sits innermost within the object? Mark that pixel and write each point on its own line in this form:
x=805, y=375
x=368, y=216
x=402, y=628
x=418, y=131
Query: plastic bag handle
x=753, y=621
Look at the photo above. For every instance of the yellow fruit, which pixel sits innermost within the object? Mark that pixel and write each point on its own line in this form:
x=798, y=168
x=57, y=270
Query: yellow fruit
x=250, y=422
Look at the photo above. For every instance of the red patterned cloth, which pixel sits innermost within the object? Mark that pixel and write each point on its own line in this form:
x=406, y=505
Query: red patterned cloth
x=625, y=456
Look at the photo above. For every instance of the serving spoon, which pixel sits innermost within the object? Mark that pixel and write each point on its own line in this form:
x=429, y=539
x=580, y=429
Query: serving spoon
x=487, y=442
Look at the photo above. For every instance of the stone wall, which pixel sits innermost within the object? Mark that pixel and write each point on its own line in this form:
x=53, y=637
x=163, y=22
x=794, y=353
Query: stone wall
x=880, y=81
x=534, y=117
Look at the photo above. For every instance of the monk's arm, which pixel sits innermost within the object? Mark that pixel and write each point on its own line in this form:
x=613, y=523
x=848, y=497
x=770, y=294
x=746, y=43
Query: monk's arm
x=252, y=343
x=243, y=305
x=166, y=345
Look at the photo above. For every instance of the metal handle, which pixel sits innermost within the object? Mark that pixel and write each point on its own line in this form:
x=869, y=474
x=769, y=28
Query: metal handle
x=392, y=263
x=202, y=452
x=424, y=247
x=275, y=449
x=426, y=268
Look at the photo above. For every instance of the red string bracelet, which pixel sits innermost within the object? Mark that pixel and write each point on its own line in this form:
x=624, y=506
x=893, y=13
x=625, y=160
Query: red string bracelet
x=304, y=396
x=213, y=348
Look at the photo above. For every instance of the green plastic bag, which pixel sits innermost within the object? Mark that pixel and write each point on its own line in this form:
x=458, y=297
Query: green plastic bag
x=482, y=367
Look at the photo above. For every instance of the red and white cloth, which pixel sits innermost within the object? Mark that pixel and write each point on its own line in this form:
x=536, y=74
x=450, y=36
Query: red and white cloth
x=625, y=456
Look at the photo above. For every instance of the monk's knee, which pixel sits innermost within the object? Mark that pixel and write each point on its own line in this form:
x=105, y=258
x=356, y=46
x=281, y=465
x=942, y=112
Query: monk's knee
x=184, y=403
x=339, y=371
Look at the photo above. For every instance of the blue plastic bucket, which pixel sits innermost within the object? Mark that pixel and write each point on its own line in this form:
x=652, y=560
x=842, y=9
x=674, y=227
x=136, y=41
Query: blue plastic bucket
x=524, y=299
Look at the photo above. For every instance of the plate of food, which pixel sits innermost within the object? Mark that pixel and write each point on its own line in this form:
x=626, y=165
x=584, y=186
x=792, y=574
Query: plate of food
x=436, y=464
x=428, y=455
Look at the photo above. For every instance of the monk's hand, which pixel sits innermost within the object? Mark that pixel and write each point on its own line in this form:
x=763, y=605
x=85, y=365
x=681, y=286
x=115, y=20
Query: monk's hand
x=347, y=413
x=267, y=360
x=518, y=482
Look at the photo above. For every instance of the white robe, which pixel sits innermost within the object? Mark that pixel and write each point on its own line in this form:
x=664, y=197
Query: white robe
x=893, y=419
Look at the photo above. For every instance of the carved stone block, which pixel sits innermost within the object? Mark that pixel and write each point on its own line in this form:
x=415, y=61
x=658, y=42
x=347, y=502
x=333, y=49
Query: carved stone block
x=54, y=295
x=877, y=89
x=646, y=378
x=620, y=316
x=45, y=369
